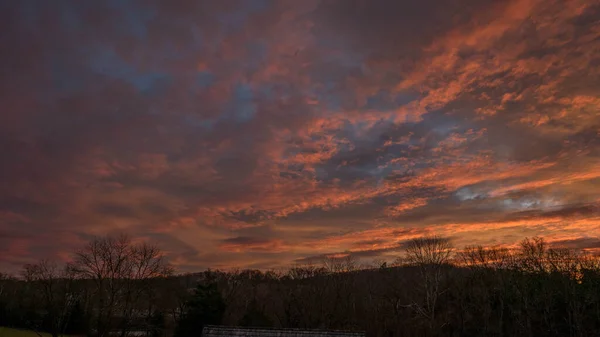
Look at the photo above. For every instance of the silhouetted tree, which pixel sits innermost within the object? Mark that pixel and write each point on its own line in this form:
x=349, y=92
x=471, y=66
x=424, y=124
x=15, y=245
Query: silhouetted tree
x=53, y=286
x=430, y=255
x=122, y=273
x=205, y=307
x=535, y=289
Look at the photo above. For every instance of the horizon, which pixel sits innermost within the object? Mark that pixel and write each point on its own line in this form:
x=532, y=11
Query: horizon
x=467, y=257
x=339, y=262
x=257, y=134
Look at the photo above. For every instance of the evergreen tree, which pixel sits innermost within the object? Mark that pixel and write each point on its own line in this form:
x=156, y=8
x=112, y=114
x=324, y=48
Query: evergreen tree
x=204, y=308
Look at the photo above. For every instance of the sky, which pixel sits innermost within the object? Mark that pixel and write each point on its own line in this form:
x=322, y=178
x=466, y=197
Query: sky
x=260, y=134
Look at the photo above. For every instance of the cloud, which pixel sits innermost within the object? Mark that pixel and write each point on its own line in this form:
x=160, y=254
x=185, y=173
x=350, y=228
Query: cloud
x=243, y=244
x=580, y=243
x=256, y=133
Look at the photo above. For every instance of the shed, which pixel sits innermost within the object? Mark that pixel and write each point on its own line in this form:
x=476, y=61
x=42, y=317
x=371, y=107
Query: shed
x=232, y=331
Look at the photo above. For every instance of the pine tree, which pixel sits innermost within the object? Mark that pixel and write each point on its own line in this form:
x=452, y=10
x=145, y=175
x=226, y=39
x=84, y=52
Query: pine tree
x=204, y=308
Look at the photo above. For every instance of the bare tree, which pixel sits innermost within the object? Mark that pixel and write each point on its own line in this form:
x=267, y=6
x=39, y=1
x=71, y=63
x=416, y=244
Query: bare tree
x=339, y=264
x=533, y=255
x=483, y=257
x=474, y=257
x=122, y=272
x=54, y=285
x=305, y=271
x=430, y=255
x=431, y=250
x=564, y=260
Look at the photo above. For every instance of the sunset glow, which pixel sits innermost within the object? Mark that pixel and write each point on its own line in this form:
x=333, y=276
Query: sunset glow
x=258, y=134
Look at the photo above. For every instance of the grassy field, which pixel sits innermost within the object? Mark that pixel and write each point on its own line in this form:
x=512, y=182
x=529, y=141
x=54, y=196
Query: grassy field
x=8, y=332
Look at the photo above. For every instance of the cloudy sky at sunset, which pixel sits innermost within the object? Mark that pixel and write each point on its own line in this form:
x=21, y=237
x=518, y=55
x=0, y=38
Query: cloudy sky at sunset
x=259, y=133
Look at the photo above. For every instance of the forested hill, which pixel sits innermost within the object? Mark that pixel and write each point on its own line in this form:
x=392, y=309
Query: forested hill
x=435, y=291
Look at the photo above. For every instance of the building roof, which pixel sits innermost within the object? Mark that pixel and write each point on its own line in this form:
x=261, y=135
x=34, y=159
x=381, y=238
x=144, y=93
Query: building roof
x=231, y=331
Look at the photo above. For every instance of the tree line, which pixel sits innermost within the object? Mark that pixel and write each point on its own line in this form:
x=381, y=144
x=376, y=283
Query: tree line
x=116, y=287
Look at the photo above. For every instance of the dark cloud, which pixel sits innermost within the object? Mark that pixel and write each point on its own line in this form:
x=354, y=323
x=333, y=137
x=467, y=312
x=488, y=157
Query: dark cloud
x=580, y=243
x=359, y=256
x=115, y=210
x=372, y=25
x=243, y=240
x=567, y=211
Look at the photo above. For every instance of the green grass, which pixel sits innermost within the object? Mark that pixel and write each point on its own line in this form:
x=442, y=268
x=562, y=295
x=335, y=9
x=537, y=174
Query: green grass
x=8, y=332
